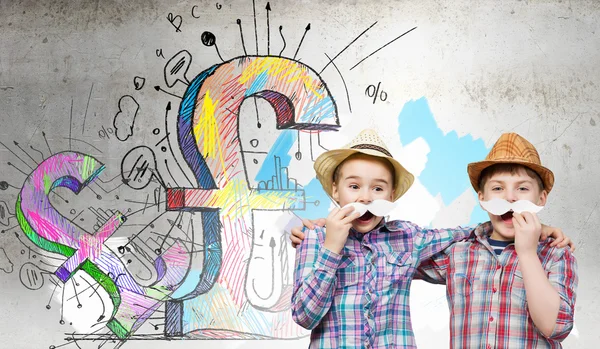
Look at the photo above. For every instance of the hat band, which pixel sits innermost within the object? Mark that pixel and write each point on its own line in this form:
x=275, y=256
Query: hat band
x=372, y=147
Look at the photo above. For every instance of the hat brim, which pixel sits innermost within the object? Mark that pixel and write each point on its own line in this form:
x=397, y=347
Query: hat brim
x=474, y=170
x=327, y=162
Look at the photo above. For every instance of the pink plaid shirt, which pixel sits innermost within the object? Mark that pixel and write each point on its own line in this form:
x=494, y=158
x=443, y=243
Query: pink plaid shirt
x=360, y=298
x=486, y=294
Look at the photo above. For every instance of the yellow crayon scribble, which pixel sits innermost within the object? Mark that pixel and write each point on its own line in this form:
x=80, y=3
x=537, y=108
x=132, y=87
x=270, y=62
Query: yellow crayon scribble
x=281, y=68
x=208, y=130
x=236, y=199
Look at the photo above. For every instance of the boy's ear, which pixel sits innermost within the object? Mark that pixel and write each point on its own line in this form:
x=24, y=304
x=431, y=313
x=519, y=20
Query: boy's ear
x=480, y=195
x=334, y=192
x=543, y=198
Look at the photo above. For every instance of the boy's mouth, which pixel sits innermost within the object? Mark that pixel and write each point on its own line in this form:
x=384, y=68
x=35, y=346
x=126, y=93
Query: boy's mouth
x=507, y=217
x=365, y=217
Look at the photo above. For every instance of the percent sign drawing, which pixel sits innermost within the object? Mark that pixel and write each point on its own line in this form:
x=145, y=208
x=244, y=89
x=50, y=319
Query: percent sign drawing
x=373, y=91
x=105, y=133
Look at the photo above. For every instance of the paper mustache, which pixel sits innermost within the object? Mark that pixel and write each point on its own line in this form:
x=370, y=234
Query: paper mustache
x=377, y=207
x=500, y=206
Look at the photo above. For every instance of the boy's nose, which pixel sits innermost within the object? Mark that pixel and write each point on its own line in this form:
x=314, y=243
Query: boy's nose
x=511, y=196
x=365, y=197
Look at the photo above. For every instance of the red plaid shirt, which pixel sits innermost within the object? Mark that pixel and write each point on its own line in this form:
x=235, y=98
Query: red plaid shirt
x=486, y=294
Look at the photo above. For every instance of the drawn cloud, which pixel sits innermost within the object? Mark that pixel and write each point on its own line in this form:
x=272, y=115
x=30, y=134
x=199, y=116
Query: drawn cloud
x=125, y=118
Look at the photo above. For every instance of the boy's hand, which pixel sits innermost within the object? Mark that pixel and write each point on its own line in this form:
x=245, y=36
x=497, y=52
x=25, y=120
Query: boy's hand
x=528, y=230
x=560, y=239
x=338, y=225
x=297, y=235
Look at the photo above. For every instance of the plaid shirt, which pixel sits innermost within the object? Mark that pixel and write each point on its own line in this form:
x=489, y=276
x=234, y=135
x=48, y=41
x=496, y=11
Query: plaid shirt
x=359, y=298
x=486, y=294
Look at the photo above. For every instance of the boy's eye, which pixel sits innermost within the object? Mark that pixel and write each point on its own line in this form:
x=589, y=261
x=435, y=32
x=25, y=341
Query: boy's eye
x=496, y=188
x=378, y=189
x=523, y=188
x=353, y=186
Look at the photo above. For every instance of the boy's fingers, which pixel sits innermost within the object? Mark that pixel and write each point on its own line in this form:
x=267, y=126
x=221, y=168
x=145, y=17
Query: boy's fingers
x=297, y=233
x=308, y=223
x=518, y=220
x=295, y=241
x=352, y=216
x=527, y=218
x=347, y=210
x=333, y=212
x=536, y=220
x=320, y=222
x=558, y=241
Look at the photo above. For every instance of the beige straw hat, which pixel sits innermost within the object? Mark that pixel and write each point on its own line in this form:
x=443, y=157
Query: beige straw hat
x=511, y=148
x=367, y=142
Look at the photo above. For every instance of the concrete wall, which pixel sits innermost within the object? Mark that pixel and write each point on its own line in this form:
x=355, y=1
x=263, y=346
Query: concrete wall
x=89, y=84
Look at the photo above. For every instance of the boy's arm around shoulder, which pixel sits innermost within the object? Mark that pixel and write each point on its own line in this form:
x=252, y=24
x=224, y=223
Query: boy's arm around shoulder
x=314, y=279
x=434, y=269
x=432, y=241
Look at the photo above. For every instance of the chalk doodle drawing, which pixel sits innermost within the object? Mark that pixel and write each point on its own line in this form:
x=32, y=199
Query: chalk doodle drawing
x=187, y=240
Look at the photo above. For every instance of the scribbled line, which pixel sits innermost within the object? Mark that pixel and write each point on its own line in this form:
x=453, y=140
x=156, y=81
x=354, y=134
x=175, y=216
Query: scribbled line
x=372, y=53
x=46, y=139
x=171, y=174
x=26, y=153
x=82, y=141
x=255, y=32
x=18, y=157
x=18, y=169
x=167, y=108
x=108, y=191
x=282, y=38
x=239, y=22
x=95, y=290
x=157, y=88
x=345, y=48
x=36, y=150
x=268, y=8
x=86, y=108
x=168, y=235
x=301, y=40
x=343, y=81
x=71, y=125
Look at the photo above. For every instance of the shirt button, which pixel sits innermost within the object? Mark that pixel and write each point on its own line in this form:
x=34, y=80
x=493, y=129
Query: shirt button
x=494, y=290
x=498, y=267
x=489, y=346
x=491, y=318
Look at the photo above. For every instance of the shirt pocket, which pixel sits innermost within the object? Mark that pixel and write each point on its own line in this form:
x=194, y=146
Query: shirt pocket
x=463, y=284
x=347, y=272
x=397, y=267
x=517, y=289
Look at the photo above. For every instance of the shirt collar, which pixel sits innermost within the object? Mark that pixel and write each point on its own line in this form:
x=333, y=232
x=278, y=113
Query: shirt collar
x=381, y=227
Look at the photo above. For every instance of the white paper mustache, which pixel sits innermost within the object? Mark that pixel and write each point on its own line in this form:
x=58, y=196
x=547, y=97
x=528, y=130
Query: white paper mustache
x=378, y=207
x=500, y=206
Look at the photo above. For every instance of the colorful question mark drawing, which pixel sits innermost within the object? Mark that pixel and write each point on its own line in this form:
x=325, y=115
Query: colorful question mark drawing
x=225, y=300
x=49, y=230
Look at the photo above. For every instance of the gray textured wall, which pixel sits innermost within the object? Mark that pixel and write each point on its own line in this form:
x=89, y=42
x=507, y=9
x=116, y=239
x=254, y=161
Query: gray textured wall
x=468, y=72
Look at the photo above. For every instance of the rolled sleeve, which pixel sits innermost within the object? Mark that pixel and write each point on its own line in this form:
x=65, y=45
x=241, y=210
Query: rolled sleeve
x=435, y=269
x=563, y=277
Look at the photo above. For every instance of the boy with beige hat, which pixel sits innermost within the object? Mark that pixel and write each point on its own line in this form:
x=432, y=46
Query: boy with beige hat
x=352, y=282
